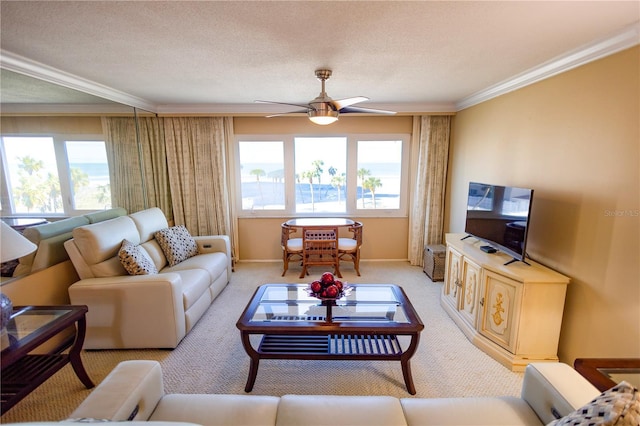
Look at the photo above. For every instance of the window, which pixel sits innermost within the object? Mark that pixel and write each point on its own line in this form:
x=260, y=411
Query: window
x=53, y=175
x=262, y=175
x=322, y=175
x=320, y=172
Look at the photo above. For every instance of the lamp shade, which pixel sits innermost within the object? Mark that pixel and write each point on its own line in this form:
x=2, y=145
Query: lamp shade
x=14, y=245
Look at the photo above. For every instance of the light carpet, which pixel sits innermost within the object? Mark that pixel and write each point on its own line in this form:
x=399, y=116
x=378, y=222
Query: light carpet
x=211, y=359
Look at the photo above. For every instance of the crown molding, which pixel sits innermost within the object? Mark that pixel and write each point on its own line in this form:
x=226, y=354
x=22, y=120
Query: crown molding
x=262, y=109
x=624, y=39
x=66, y=109
x=16, y=63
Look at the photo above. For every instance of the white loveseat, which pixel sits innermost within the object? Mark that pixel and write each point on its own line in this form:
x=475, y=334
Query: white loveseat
x=143, y=311
x=134, y=390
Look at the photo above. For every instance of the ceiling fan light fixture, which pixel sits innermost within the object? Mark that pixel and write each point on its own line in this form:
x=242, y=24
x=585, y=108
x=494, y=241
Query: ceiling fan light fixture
x=323, y=117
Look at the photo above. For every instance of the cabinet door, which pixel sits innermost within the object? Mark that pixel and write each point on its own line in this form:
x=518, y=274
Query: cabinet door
x=452, y=277
x=500, y=313
x=469, y=293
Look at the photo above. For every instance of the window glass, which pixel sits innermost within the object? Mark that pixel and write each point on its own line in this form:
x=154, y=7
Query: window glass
x=262, y=177
x=33, y=182
x=379, y=173
x=321, y=173
x=89, y=175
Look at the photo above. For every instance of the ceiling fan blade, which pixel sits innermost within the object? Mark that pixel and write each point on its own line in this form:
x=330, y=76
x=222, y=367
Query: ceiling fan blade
x=302, y=111
x=366, y=110
x=341, y=103
x=284, y=103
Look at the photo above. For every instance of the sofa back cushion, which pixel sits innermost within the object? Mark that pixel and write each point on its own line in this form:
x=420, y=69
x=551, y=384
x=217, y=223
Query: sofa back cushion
x=99, y=243
x=156, y=254
x=148, y=222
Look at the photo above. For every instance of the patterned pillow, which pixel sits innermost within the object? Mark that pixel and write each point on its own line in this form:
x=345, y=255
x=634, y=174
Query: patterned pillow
x=618, y=406
x=135, y=260
x=177, y=244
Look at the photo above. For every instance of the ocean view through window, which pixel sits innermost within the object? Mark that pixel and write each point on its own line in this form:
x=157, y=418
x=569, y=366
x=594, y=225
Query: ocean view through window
x=322, y=175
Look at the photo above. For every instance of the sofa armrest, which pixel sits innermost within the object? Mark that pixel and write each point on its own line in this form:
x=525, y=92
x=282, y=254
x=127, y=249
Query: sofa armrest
x=130, y=392
x=216, y=243
x=132, y=311
x=554, y=390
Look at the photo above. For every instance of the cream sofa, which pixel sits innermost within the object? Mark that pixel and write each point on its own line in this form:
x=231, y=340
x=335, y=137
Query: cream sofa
x=143, y=311
x=134, y=390
x=50, y=238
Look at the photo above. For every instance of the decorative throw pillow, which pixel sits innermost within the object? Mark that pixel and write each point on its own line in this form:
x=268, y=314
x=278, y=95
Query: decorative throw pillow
x=177, y=244
x=135, y=260
x=619, y=406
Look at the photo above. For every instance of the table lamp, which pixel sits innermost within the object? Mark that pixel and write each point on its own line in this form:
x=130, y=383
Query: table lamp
x=14, y=246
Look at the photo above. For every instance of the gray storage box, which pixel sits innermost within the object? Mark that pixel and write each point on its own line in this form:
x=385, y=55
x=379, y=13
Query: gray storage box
x=434, y=259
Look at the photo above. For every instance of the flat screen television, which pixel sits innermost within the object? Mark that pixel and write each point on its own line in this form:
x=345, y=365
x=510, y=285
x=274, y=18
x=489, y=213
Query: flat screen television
x=499, y=216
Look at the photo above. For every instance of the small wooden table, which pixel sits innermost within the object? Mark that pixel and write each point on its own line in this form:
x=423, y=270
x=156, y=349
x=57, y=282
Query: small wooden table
x=317, y=222
x=29, y=328
x=601, y=372
x=364, y=325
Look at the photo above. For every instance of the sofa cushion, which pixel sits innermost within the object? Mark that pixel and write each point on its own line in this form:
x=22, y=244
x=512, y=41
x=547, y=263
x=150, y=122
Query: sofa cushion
x=335, y=410
x=135, y=259
x=475, y=411
x=618, y=406
x=194, y=284
x=177, y=244
x=155, y=252
x=149, y=222
x=101, y=241
x=212, y=410
x=214, y=263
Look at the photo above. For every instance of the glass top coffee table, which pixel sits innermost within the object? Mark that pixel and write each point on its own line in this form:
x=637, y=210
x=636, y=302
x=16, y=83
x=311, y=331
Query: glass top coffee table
x=363, y=325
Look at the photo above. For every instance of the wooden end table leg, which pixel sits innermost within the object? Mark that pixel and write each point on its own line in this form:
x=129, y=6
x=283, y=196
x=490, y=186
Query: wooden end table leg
x=74, y=354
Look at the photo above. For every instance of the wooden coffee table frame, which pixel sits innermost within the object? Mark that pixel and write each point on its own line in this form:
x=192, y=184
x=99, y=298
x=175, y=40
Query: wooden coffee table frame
x=322, y=339
x=23, y=371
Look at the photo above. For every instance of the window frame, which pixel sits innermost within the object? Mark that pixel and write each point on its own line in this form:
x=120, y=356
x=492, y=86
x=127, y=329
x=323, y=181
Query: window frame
x=352, y=209
x=63, y=168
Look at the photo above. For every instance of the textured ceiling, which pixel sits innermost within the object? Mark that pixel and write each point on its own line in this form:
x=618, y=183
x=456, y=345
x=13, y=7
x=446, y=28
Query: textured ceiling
x=418, y=55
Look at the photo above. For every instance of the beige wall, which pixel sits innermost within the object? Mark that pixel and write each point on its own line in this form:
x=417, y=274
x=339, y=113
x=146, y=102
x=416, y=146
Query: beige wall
x=39, y=124
x=383, y=238
x=574, y=138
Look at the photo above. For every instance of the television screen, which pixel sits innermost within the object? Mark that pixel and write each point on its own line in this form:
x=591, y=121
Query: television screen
x=499, y=215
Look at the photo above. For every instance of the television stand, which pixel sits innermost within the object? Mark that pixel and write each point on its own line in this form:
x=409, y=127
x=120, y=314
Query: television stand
x=517, y=260
x=498, y=307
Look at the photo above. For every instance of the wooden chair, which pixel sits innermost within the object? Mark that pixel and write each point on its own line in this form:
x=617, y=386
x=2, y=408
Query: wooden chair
x=349, y=248
x=291, y=247
x=320, y=248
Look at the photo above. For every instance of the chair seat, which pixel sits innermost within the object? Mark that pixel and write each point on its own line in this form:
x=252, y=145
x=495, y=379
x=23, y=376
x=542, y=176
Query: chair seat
x=347, y=244
x=294, y=244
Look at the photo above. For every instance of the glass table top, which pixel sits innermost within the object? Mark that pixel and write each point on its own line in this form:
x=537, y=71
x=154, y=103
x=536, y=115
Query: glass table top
x=292, y=303
x=28, y=320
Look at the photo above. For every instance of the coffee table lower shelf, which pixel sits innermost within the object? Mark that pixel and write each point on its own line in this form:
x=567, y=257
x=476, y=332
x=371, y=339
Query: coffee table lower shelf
x=369, y=347
x=351, y=346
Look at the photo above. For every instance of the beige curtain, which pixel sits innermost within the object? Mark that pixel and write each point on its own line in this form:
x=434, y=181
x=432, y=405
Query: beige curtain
x=196, y=156
x=430, y=154
x=137, y=163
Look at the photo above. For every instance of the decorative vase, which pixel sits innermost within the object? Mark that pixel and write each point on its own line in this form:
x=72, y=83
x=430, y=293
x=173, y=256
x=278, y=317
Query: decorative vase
x=6, y=308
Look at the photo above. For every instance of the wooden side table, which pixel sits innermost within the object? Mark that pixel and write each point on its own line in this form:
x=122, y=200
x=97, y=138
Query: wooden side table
x=601, y=372
x=30, y=327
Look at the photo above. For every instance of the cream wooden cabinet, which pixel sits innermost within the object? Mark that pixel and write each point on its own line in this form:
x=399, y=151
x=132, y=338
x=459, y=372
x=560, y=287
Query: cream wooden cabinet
x=512, y=312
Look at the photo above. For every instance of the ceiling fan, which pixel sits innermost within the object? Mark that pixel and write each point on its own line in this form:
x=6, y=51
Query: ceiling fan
x=324, y=110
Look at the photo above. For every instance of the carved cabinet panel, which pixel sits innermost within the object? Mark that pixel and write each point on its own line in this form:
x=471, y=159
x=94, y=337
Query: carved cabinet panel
x=500, y=310
x=453, y=278
x=470, y=290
